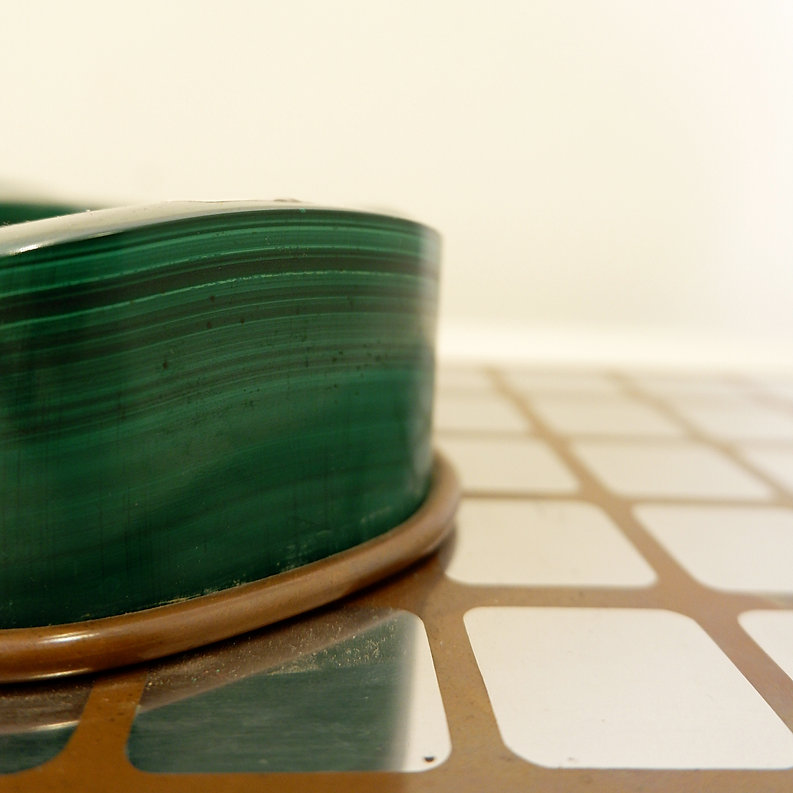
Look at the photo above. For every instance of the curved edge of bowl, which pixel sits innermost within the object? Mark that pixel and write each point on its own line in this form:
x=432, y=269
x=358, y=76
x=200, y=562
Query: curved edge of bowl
x=17, y=238
x=94, y=645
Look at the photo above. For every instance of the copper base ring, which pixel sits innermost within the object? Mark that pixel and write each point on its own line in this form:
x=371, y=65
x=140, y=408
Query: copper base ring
x=93, y=645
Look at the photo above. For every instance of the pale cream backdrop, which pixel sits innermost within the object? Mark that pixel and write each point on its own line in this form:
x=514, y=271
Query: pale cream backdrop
x=613, y=178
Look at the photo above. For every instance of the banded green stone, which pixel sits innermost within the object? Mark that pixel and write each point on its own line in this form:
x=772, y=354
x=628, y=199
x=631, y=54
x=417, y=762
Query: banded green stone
x=199, y=399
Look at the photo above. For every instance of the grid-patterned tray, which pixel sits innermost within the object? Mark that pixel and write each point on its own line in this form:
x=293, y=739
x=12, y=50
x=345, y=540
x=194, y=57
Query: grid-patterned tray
x=614, y=612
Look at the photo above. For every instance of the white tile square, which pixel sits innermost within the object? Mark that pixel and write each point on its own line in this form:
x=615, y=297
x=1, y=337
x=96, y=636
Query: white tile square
x=772, y=377
x=687, y=385
x=773, y=631
x=737, y=419
x=561, y=382
x=543, y=543
x=477, y=412
x=458, y=378
x=781, y=390
x=618, y=416
x=735, y=548
x=776, y=463
x=778, y=384
x=508, y=465
x=620, y=688
x=670, y=469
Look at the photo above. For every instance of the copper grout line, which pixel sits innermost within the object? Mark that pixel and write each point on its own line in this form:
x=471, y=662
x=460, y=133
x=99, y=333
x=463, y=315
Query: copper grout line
x=491, y=765
x=780, y=496
x=590, y=489
x=476, y=745
x=479, y=759
x=113, y=701
x=451, y=776
x=762, y=671
x=585, y=780
x=761, y=392
x=94, y=758
x=591, y=595
x=475, y=738
x=627, y=388
x=754, y=391
x=548, y=779
x=575, y=495
x=116, y=692
x=676, y=589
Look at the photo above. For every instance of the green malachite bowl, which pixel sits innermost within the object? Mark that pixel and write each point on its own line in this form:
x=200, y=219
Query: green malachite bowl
x=198, y=396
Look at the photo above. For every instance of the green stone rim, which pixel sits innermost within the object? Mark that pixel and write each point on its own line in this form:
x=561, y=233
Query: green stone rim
x=95, y=645
x=198, y=395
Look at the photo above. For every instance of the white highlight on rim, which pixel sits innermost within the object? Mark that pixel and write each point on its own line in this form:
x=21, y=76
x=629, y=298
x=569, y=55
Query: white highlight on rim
x=29, y=235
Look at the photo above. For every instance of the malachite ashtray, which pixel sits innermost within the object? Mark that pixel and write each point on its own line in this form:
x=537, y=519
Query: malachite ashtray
x=214, y=415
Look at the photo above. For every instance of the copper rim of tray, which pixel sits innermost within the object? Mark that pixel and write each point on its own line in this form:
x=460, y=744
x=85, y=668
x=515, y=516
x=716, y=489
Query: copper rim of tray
x=90, y=646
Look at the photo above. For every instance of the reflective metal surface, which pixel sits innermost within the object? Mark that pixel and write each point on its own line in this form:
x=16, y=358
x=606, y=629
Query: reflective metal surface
x=356, y=694
x=36, y=721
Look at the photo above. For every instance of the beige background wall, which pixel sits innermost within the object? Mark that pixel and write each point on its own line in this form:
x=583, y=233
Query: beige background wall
x=612, y=177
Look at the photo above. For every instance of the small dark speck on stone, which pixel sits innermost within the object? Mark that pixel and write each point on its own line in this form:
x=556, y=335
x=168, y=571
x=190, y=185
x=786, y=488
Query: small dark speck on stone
x=212, y=298
x=242, y=320
x=165, y=364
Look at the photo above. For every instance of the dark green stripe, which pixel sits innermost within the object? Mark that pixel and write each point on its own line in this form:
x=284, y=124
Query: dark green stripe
x=199, y=403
